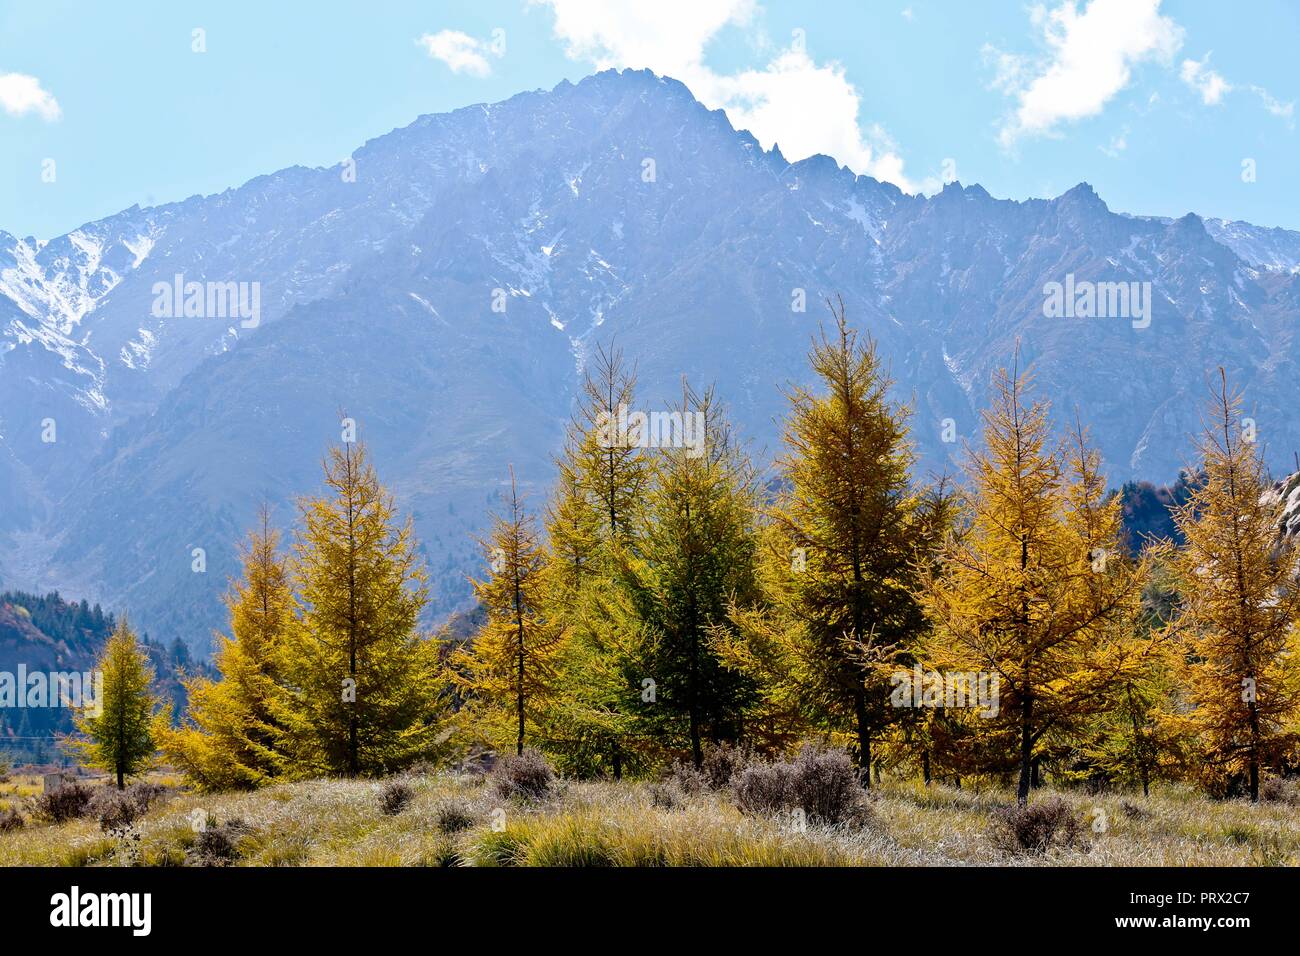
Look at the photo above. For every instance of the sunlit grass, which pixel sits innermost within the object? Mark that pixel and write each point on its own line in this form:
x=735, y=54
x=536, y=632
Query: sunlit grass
x=456, y=820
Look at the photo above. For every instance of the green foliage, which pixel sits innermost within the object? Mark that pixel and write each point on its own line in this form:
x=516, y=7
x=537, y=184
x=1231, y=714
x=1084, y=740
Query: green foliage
x=692, y=563
x=363, y=691
x=119, y=734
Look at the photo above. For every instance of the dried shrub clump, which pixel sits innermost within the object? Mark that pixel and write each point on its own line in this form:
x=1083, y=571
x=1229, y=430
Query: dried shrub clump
x=763, y=788
x=454, y=816
x=722, y=762
x=686, y=779
x=395, y=796
x=527, y=776
x=1281, y=790
x=821, y=782
x=116, y=809
x=68, y=802
x=1037, y=827
x=217, y=845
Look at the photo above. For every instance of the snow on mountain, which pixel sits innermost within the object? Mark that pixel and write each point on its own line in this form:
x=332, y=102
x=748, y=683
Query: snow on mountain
x=1275, y=249
x=447, y=297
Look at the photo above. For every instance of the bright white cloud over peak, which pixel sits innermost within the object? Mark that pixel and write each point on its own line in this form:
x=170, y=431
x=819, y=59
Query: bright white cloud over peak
x=792, y=101
x=1090, y=58
x=461, y=52
x=21, y=94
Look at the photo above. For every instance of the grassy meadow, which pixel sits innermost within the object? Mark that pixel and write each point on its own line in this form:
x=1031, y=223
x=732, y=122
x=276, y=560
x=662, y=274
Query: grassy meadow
x=459, y=819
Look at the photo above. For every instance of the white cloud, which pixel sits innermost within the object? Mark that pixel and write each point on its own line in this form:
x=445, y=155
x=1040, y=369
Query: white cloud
x=1090, y=58
x=20, y=94
x=1118, y=143
x=461, y=52
x=793, y=101
x=1211, y=85
x=1272, y=104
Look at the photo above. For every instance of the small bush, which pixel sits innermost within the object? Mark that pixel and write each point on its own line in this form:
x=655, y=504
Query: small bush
x=10, y=819
x=394, y=797
x=528, y=776
x=825, y=784
x=763, y=788
x=68, y=802
x=217, y=845
x=664, y=796
x=1280, y=790
x=686, y=778
x=1037, y=827
x=1133, y=811
x=116, y=809
x=722, y=762
x=146, y=794
x=454, y=816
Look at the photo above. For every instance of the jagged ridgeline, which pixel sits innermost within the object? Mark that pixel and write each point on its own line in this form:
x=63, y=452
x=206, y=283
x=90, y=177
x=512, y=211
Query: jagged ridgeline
x=450, y=293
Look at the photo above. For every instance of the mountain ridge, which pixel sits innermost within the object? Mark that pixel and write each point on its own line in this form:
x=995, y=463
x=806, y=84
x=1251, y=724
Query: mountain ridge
x=378, y=299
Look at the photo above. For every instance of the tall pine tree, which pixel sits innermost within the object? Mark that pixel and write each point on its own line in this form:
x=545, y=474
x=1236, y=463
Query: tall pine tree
x=840, y=562
x=1036, y=589
x=365, y=695
x=508, y=669
x=1240, y=669
x=234, y=736
x=694, y=559
x=599, y=492
x=119, y=735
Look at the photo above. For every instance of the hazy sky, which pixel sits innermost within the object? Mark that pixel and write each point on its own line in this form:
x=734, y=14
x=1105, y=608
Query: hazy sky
x=1158, y=105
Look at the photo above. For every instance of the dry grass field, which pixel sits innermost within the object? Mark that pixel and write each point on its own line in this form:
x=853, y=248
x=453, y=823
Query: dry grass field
x=447, y=819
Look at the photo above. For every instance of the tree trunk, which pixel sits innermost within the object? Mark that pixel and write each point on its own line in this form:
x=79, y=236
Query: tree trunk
x=1254, y=752
x=1026, y=750
x=121, y=782
x=864, y=737
x=519, y=700
x=925, y=766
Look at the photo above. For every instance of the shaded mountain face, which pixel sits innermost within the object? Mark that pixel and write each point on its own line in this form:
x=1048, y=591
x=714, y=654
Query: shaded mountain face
x=446, y=286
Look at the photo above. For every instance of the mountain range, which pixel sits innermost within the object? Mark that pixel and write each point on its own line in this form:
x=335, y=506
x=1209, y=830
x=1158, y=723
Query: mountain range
x=445, y=286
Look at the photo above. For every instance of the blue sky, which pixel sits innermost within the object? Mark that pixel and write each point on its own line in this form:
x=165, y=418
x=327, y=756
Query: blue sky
x=1157, y=104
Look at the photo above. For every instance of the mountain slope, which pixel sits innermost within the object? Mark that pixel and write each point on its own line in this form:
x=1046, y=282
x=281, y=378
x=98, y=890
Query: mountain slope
x=448, y=298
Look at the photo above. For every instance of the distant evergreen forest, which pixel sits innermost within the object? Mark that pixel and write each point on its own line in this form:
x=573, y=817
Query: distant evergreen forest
x=34, y=628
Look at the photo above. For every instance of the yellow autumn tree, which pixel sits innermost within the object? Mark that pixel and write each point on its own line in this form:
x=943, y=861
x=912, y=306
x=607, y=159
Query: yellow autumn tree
x=840, y=554
x=508, y=670
x=1035, y=591
x=233, y=738
x=1239, y=667
x=364, y=691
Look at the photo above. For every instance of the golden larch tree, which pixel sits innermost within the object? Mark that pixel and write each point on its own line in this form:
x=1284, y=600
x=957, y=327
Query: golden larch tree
x=233, y=738
x=365, y=695
x=508, y=669
x=1239, y=670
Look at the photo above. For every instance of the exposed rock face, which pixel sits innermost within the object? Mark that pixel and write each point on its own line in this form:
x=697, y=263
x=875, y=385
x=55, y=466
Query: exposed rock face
x=617, y=207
